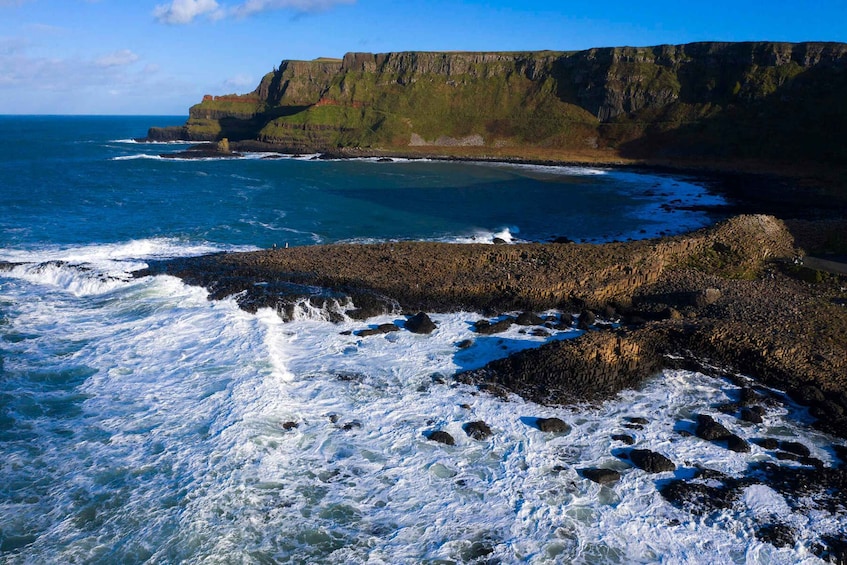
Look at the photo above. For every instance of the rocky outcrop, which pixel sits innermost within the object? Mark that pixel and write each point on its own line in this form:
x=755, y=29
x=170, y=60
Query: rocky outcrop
x=701, y=100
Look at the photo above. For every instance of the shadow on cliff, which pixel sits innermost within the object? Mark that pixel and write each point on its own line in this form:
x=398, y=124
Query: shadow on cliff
x=781, y=129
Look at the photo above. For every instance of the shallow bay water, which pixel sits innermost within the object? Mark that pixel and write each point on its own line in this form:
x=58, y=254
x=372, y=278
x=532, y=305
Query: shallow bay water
x=140, y=422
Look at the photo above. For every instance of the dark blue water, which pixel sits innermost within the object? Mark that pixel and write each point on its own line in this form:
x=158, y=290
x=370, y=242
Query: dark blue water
x=73, y=180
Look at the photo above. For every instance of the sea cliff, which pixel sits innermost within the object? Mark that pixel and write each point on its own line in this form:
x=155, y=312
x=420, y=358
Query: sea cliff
x=701, y=102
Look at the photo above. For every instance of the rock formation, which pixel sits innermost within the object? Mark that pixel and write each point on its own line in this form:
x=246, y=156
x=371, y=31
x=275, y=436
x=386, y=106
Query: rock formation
x=700, y=101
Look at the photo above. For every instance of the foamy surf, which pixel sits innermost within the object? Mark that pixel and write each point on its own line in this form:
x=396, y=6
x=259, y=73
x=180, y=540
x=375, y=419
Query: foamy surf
x=188, y=430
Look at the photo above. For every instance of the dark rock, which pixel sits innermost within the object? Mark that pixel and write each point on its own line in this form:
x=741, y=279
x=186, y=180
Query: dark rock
x=552, y=425
x=495, y=390
x=767, y=443
x=625, y=438
x=499, y=241
x=748, y=396
x=288, y=426
x=477, y=430
x=346, y=332
x=441, y=437
x=601, y=476
x=778, y=535
x=586, y=319
x=709, y=429
x=795, y=447
x=354, y=425
x=528, y=319
x=841, y=453
x=807, y=395
x=380, y=329
x=637, y=420
x=836, y=549
x=633, y=426
x=650, y=461
x=420, y=323
x=485, y=327
x=698, y=498
x=827, y=410
x=835, y=427
x=539, y=332
x=728, y=408
x=464, y=344
x=752, y=414
x=737, y=444
x=561, y=239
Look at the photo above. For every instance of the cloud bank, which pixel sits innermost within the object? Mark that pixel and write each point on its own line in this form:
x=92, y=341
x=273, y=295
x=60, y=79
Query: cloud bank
x=186, y=11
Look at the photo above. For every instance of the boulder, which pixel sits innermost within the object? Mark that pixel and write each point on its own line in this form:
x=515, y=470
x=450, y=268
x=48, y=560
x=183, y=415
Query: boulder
x=737, y=444
x=477, y=430
x=485, y=327
x=420, y=323
x=601, y=476
x=650, y=461
x=586, y=319
x=709, y=429
x=624, y=438
x=552, y=425
x=795, y=447
x=807, y=395
x=528, y=319
x=441, y=436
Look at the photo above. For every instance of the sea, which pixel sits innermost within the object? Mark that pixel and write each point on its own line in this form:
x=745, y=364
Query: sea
x=141, y=422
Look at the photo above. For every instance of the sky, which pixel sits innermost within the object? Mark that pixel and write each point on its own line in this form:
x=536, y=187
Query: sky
x=159, y=57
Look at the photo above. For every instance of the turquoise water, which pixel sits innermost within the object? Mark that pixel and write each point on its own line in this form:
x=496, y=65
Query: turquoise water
x=142, y=423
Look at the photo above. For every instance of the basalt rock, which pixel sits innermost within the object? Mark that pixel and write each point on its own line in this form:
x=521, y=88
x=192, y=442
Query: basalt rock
x=420, y=323
x=650, y=461
x=478, y=430
x=440, y=436
x=601, y=476
x=552, y=425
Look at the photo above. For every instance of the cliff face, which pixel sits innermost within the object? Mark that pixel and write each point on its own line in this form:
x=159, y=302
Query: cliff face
x=710, y=100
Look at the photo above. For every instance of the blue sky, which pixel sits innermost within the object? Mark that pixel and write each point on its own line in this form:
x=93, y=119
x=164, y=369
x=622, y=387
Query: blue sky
x=161, y=56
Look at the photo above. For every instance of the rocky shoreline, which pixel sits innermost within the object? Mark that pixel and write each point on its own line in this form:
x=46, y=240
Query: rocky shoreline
x=734, y=301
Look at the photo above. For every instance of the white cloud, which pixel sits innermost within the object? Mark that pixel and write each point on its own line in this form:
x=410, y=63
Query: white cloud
x=117, y=59
x=184, y=11
x=239, y=83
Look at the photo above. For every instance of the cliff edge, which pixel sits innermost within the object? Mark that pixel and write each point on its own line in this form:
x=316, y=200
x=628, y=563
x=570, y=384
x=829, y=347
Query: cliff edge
x=775, y=103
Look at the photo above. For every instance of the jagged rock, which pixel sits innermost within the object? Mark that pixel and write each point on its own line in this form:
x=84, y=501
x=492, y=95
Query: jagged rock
x=380, y=329
x=709, y=429
x=650, y=461
x=477, y=430
x=601, y=476
x=441, y=436
x=420, y=323
x=552, y=425
x=698, y=498
x=624, y=438
x=528, y=319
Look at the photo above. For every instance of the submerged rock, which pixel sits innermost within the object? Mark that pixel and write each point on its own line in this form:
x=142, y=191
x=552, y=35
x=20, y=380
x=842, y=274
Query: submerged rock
x=485, y=327
x=380, y=329
x=624, y=438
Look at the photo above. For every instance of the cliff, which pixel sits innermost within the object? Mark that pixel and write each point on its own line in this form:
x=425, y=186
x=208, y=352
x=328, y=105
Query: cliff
x=709, y=101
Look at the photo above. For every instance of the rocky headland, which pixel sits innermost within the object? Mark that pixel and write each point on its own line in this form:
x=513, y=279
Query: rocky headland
x=760, y=298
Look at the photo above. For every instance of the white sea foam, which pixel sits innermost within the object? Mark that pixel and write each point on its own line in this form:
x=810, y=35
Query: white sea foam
x=165, y=418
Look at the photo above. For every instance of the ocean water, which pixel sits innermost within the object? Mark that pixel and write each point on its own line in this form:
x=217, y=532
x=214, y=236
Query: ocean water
x=142, y=423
